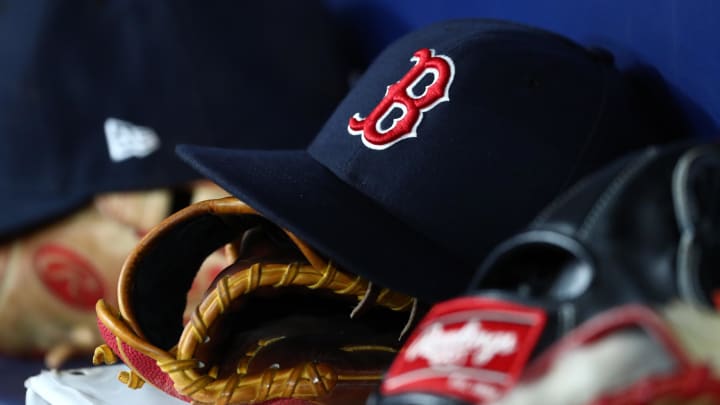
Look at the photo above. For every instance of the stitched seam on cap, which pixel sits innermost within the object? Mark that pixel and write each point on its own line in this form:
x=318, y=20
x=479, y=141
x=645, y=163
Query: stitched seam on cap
x=593, y=129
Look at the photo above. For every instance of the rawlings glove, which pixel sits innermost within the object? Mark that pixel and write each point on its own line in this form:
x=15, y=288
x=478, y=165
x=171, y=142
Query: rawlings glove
x=51, y=277
x=608, y=298
x=279, y=322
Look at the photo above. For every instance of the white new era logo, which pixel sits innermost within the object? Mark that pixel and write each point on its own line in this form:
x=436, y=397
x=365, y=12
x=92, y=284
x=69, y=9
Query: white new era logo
x=126, y=140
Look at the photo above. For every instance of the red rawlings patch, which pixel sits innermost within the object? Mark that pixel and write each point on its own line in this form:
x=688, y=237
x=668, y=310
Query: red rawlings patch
x=68, y=276
x=716, y=299
x=404, y=98
x=471, y=348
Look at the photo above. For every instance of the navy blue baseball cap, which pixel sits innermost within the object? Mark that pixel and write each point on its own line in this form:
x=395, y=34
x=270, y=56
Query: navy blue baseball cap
x=94, y=95
x=455, y=136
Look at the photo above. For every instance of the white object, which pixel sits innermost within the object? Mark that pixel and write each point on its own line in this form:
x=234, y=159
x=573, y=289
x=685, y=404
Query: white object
x=126, y=140
x=91, y=386
x=586, y=372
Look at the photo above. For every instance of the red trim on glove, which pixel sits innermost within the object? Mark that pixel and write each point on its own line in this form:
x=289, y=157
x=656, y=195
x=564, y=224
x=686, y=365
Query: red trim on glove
x=469, y=348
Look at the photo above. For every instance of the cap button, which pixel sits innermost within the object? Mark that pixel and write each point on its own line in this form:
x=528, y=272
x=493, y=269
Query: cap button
x=601, y=55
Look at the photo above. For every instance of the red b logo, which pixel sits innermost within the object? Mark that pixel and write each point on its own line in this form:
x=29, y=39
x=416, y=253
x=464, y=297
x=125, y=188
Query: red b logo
x=402, y=96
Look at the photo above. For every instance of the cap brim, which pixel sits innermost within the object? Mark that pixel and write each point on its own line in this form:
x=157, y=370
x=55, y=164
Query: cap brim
x=296, y=192
x=31, y=211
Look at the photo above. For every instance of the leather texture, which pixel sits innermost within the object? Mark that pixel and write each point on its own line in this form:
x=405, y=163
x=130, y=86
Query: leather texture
x=280, y=322
x=645, y=229
x=643, y=232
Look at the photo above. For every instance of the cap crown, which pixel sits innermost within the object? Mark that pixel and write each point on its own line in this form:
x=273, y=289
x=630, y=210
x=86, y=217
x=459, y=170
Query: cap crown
x=464, y=129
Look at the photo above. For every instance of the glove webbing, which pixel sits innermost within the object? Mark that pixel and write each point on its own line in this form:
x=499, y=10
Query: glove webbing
x=307, y=380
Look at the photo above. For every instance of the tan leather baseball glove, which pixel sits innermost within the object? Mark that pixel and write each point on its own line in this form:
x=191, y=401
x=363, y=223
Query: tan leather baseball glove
x=279, y=322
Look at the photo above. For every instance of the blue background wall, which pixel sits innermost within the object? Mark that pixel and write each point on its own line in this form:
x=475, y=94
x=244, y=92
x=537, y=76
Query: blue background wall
x=677, y=40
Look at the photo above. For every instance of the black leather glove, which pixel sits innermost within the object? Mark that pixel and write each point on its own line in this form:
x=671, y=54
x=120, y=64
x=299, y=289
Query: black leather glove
x=634, y=237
